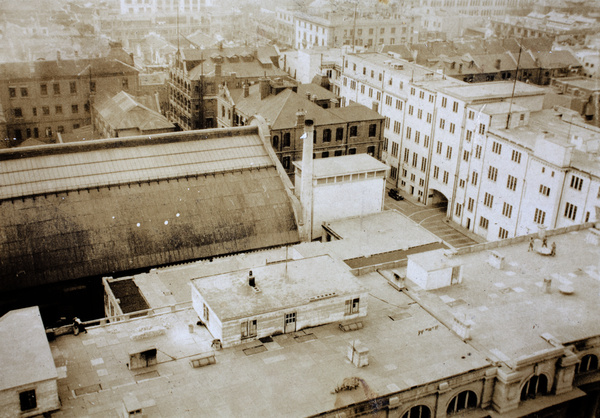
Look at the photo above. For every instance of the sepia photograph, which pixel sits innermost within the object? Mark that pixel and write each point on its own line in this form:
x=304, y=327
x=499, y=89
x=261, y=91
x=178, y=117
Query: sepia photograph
x=300, y=208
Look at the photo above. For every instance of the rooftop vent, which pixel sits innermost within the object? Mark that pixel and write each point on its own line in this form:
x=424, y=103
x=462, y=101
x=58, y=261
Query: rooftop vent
x=251, y=279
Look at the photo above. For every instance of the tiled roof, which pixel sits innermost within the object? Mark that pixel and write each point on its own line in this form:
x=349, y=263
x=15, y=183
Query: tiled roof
x=315, y=89
x=108, y=206
x=355, y=112
x=557, y=59
x=123, y=111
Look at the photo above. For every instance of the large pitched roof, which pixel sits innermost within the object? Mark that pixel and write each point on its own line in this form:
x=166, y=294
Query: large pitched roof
x=48, y=70
x=99, y=207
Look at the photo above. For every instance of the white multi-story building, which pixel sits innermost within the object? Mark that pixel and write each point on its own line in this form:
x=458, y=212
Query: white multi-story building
x=162, y=6
x=337, y=30
x=449, y=141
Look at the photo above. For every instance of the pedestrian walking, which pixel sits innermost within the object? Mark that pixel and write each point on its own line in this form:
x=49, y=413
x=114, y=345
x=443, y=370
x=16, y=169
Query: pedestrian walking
x=553, y=248
x=544, y=242
x=530, y=244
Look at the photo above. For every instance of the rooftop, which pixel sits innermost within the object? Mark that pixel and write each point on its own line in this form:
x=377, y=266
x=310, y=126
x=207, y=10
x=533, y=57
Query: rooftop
x=24, y=353
x=491, y=90
x=253, y=379
x=278, y=286
x=343, y=165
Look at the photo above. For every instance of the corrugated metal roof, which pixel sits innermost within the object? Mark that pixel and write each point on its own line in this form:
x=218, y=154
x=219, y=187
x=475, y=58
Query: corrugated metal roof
x=119, y=205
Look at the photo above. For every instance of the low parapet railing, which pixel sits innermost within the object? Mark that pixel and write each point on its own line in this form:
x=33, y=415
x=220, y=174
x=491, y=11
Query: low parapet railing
x=139, y=314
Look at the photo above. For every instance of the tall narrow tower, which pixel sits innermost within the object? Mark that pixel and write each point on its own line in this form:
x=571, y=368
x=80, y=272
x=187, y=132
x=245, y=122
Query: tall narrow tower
x=306, y=196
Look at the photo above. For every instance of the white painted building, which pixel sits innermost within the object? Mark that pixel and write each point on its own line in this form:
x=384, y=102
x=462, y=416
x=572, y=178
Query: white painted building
x=343, y=187
x=136, y=7
x=278, y=298
x=450, y=141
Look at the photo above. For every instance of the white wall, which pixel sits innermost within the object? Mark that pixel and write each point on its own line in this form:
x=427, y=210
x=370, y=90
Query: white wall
x=346, y=199
x=46, y=393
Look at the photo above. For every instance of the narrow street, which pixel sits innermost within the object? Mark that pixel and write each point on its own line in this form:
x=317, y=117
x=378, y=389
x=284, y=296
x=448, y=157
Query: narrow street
x=431, y=219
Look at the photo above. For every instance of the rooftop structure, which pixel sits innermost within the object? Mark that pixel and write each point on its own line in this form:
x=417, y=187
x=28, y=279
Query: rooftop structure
x=197, y=195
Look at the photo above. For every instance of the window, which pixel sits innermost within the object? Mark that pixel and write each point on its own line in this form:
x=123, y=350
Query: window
x=92, y=86
x=372, y=130
x=481, y=129
x=18, y=112
x=49, y=132
x=352, y=151
x=74, y=108
x=326, y=135
x=337, y=153
x=426, y=141
x=417, y=137
x=362, y=89
x=484, y=222
x=511, y=183
x=576, y=182
x=570, y=211
x=455, y=107
x=445, y=179
x=388, y=100
x=58, y=109
x=378, y=97
x=452, y=128
x=397, y=127
x=444, y=101
x=275, y=141
x=394, y=149
x=371, y=150
x=497, y=147
x=394, y=172
x=406, y=154
x=492, y=173
x=352, y=306
x=36, y=133
x=488, y=200
x=537, y=385
x=507, y=210
x=28, y=400
x=516, y=157
x=44, y=89
x=474, y=178
x=286, y=162
x=469, y=135
x=502, y=233
x=24, y=92
x=61, y=129
x=415, y=159
x=73, y=87
x=12, y=92
x=248, y=329
x=420, y=113
x=461, y=183
x=470, y=204
x=353, y=131
x=438, y=147
x=421, y=95
x=412, y=91
x=205, y=313
x=423, y=164
x=477, y=151
x=339, y=134
x=436, y=172
x=539, y=217
x=86, y=106
x=411, y=109
x=466, y=155
x=34, y=111
x=398, y=104
x=325, y=154
x=588, y=363
x=408, y=132
x=471, y=115
x=442, y=123
x=429, y=117
x=458, y=210
x=56, y=88
x=462, y=401
x=286, y=139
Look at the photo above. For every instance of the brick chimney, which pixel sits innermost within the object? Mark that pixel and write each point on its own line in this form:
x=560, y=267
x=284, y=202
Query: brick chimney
x=300, y=115
x=218, y=69
x=264, y=88
x=306, y=193
x=498, y=63
x=246, y=89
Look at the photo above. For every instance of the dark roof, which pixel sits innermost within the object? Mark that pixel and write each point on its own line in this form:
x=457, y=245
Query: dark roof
x=355, y=112
x=398, y=49
x=557, y=59
x=48, y=70
x=315, y=90
x=99, y=207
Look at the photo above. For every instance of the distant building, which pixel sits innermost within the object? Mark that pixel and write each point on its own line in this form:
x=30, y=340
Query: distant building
x=477, y=8
x=125, y=115
x=153, y=7
x=28, y=376
x=281, y=298
x=338, y=131
x=196, y=75
x=347, y=186
x=42, y=98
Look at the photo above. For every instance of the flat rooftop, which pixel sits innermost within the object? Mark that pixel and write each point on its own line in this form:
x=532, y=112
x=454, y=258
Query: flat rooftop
x=492, y=90
x=278, y=286
x=509, y=307
x=343, y=165
x=254, y=379
x=582, y=83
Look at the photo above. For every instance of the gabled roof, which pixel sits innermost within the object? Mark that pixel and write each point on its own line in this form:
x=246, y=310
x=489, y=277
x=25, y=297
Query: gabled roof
x=557, y=59
x=98, y=207
x=25, y=355
x=47, y=70
x=355, y=112
x=123, y=111
x=491, y=63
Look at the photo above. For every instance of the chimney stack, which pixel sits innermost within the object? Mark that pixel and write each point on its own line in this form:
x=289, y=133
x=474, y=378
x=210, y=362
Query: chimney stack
x=264, y=87
x=498, y=62
x=306, y=193
x=218, y=69
x=246, y=89
x=57, y=55
x=251, y=279
x=300, y=115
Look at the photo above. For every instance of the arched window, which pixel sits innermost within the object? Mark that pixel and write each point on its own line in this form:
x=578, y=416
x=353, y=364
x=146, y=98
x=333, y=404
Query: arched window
x=286, y=139
x=419, y=411
x=537, y=385
x=588, y=363
x=275, y=141
x=464, y=400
